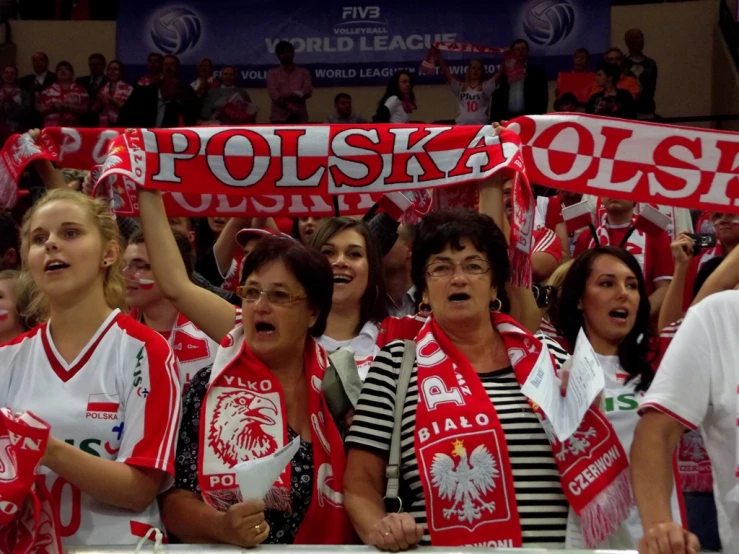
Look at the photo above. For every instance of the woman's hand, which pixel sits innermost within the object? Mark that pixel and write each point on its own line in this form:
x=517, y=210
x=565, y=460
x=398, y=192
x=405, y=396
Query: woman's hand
x=682, y=249
x=668, y=538
x=564, y=379
x=244, y=524
x=396, y=532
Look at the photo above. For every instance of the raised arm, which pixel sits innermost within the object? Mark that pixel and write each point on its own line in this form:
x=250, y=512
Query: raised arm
x=725, y=277
x=225, y=247
x=443, y=66
x=208, y=311
x=672, y=305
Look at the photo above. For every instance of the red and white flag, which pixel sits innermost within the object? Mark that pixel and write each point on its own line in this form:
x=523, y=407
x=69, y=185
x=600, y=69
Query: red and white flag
x=652, y=221
x=395, y=204
x=577, y=216
x=103, y=402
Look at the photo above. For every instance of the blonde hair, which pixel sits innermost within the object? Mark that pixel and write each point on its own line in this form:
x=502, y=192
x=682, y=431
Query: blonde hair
x=466, y=83
x=113, y=283
x=557, y=278
x=21, y=299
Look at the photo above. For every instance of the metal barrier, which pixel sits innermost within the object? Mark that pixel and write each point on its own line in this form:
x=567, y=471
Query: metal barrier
x=290, y=549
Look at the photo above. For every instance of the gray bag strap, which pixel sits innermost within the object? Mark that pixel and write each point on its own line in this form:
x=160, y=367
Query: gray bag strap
x=393, y=503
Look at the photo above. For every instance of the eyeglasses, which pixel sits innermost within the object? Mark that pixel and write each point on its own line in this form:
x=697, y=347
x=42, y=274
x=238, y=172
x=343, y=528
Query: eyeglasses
x=277, y=297
x=136, y=266
x=442, y=270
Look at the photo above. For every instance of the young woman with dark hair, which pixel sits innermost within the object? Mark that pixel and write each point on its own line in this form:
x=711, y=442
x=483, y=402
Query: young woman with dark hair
x=359, y=299
x=398, y=100
x=605, y=295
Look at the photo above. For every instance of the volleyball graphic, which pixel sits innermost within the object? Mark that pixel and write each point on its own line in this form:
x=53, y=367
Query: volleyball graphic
x=548, y=22
x=175, y=30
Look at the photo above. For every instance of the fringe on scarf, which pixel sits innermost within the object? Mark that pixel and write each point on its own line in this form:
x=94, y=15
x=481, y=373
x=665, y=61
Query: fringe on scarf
x=603, y=516
x=701, y=482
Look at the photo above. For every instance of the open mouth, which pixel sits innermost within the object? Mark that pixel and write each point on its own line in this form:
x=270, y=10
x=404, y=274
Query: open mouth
x=620, y=314
x=459, y=297
x=4, y=314
x=55, y=265
x=264, y=328
x=342, y=279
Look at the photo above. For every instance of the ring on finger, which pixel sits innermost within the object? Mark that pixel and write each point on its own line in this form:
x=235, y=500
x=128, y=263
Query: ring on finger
x=258, y=528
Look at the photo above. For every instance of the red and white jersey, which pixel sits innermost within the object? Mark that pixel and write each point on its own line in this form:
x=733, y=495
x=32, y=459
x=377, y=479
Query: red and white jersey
x=192, y=348
x=75, y=95
x=145, y=81
x=12, y=95
x=119, y=400
x=118, y=92
x=547, y=241
x=473, y=105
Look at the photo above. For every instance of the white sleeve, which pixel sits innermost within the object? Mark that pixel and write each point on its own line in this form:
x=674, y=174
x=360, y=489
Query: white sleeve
x=392, y=103
x=456, y=86
x=682, y=385
x=488, y=87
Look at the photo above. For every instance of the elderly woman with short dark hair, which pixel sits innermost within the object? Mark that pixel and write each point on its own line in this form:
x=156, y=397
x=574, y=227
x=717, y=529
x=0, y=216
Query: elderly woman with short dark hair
x=479, y=462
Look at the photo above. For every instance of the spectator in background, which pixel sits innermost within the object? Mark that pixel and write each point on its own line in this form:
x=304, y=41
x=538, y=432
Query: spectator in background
x=566, y=103
x=205, y=80
x=611, y=100
x=228, y=104
x=9, y=242
x=625, y=80
x=398, y=100
x=170, y=104
x=473, y=94
x=154, y=70
x=14, y=104
x=581, y=61
x=40, y=78
x=527, y=96
x=579, y=81
x=112, y=96
x=343, y=111
x=65, y=102
x=289, y=86
x=644, y=69
x=95, y=81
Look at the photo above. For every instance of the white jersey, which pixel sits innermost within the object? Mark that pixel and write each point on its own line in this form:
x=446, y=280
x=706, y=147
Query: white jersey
x=621, y=408
x=473, y=105
x=364, y=346
x=119, y=400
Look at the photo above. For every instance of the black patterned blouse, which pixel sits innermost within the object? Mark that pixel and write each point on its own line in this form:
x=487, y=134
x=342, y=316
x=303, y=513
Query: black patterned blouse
x=283, y=525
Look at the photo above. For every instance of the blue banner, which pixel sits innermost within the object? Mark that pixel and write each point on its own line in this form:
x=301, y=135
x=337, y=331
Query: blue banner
x=346, y=45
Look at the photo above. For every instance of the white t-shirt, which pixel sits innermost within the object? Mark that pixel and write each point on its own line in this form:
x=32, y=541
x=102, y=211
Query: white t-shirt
x=119, y=400
x=193, y=349
x=696, y=384
x=397, y=112
x=621, y=408
x=473, y=105
x=364, y=346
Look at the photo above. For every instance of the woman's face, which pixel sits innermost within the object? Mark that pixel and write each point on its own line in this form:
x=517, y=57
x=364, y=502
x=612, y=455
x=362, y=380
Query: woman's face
x=66, y=251
x=727, y=228
x=114, y=72
x=610, y=301
x=274, y=330
x=600, y=79
x=307, y=226
x=404, y=84
x=9, y=320
x=474, y=71
x=228, y=76
x=205, y=69
x=216, y=224
x=459, y=286
x=10, y=76
x=347, y=253
x=64, y=74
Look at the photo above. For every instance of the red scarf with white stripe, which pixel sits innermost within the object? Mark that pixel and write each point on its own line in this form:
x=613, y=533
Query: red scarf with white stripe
x=244, y=417
x=463, y=458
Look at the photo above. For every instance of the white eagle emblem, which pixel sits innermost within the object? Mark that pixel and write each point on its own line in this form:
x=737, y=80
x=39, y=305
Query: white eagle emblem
x=467, y=482
x=24, y=148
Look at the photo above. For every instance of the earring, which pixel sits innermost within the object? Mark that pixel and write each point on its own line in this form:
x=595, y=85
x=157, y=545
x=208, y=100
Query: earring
x=424, y=309
x=496, y=305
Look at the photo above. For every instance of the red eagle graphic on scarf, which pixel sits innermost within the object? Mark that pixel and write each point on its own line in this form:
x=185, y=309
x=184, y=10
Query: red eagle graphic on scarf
x=237, y=431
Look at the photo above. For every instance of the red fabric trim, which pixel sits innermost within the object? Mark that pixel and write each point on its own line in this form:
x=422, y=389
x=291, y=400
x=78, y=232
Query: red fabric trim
x=651, y=405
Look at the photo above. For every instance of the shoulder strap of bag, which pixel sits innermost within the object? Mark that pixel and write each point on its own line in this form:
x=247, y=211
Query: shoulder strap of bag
x=393, y=503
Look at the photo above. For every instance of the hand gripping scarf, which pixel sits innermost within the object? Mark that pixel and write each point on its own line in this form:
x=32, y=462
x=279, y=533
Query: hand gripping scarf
x=463, y=458
x=243, y=394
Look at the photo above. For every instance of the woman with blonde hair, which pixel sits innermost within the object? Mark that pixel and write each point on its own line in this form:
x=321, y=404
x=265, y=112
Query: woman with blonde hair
x=12, y=323
x=550, y=306
x=473, y=94
x=112, y=380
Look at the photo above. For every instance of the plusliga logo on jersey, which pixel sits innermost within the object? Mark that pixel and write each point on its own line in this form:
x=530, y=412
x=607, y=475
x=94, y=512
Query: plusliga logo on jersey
x=102, y=406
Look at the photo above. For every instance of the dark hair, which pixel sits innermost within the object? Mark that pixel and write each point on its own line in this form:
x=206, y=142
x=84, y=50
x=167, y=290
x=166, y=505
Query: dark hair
x=9, y=235
x=340, y=96
x=121, y=66
x=614, y=49
x=611, y=70
x=373, y=306
x=393, y=88
x=519, y=41
x=284, y=46
x=705, y=272
x=228, y=65
x=154, y=55
x=13, y=67
x=66, y=64
x=636, y=351
x=441, y=229
x=175, y=58
x=566, y=98
x=97, y=55
x=582, y=51
x=309, y=267
x=183, y=245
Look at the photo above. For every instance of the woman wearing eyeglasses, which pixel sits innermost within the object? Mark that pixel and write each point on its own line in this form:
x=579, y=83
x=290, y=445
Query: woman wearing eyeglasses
x=262, y=392
x=479, y=460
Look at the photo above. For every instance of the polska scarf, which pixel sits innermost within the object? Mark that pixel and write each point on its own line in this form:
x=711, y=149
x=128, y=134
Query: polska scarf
x=463, y=458
x=428, y=66
x=244, y=417
x=636, y=244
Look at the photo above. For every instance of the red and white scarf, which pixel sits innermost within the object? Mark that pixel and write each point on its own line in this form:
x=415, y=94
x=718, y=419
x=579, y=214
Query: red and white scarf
x=428, y=66
x=240, y=385
x=463, y=457
x=636, y=244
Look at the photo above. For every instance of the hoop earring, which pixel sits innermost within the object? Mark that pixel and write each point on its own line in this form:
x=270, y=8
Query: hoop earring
x=495, y=305
x=424, y=309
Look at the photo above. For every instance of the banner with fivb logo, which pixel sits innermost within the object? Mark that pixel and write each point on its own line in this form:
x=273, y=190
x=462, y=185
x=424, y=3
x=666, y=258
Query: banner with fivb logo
x=350, y=43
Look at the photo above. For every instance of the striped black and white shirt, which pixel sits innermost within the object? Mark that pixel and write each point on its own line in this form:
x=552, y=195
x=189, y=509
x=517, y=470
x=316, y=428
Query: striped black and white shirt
x=540, y=501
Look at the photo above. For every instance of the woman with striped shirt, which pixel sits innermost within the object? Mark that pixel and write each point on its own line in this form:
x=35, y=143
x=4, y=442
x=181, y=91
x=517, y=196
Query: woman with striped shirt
x=478, y=459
